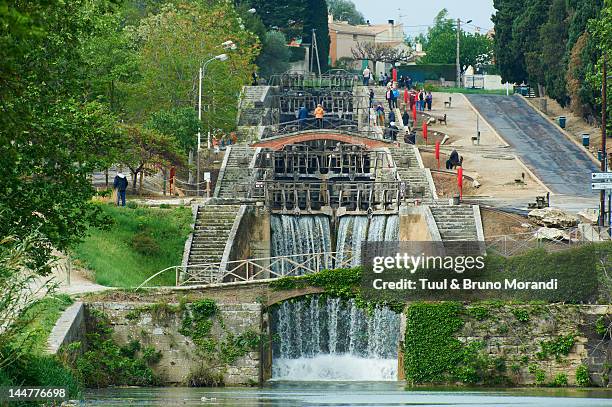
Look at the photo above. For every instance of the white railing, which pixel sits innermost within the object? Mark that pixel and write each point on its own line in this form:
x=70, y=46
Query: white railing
x=254, y=269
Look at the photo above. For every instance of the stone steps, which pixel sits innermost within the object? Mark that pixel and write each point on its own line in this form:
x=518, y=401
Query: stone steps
x=236, y=172
x=211, y=231
x=455, y=223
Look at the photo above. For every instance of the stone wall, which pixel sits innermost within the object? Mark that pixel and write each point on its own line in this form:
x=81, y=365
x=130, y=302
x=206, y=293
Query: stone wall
x=70, y=327
x=518, y=334
x=140, y=321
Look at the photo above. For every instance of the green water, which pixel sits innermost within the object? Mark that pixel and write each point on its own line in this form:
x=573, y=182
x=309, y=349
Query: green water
x=299, y=394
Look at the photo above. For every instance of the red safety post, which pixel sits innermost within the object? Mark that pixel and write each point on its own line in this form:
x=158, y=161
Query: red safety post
x=425, y=131
x=394, y=74
x=460, y=181
x=414, y=113
x=438, y=153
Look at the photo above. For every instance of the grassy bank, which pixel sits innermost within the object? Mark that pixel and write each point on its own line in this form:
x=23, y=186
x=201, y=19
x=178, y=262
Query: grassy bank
x=468, y=90
x=34, y=367
x=139, y=243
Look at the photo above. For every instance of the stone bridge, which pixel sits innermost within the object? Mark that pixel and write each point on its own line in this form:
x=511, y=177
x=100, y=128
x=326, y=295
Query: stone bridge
x=278, y=142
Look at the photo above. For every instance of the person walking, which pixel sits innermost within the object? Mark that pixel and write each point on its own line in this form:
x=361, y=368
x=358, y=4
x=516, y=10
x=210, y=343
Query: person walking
x=380, y=115
x=395, y=96
x=391, y=116
x=388, y=96
x=371, y=95
x=319, y=113
x=406, y=118
x=366, y=76
x=429, y=100
x=120, y=184
x=302, y=116
x=421, y=105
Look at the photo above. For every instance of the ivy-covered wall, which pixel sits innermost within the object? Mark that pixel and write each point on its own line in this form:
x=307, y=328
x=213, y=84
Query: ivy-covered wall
x=201, y=343
x=506, y=344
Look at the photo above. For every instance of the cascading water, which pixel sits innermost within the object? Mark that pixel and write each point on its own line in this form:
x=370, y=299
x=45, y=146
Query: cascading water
x=303, y=234
x=322, y=338
x=352, y=233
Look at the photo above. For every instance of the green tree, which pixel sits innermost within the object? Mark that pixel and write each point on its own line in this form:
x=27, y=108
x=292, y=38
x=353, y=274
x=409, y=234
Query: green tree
x=52, y=137
x=440, y=43
x=180, y=123
x=345, y=10
x=508, y=56
x=526, y=36
x=553, y=36
x=171, y=47
x=147, y=148
x=274, y=57
x=315, y=18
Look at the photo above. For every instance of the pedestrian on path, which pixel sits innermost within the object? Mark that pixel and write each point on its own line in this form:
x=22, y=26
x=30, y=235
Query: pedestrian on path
x=421, y=104
x=120, y=184
x=302, y=116
x=428, y=100
x=319, y=113
x=380, y=115
x=366, y=76
x=371, y=97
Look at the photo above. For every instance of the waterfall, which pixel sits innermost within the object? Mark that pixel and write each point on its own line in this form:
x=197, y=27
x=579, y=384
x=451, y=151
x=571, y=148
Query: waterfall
x=303, y=234
x=352, y=233
x=323, y=338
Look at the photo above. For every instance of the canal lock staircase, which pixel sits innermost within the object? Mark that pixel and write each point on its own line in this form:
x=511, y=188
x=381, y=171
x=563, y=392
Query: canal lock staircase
x=236, y=172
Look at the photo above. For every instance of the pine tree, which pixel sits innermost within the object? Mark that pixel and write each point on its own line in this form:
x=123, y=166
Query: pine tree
x=316, y=18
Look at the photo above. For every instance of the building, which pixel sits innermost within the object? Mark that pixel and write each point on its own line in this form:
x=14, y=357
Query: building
x=343, y=37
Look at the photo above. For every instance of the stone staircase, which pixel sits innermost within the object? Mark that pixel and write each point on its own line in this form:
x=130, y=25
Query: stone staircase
x=455, y=222
x=235, y=173
x=252, y=105
x=211, y=232
x=409, y=169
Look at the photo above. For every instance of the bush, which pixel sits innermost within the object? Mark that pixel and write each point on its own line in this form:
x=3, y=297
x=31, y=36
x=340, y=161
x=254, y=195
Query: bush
x=145, y=244
x=582, y=376
x=521, y=314
x=132, y=204
x=560, y=380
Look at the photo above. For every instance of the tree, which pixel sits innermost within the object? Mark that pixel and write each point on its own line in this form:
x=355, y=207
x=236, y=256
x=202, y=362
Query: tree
x=380, y=52
x=148, y=148
x=345, y=10
x=180, y=123
x=52, y=136
x=274, y=57
x=508, y=55
x=171, y=47
x=315, y=18
x=553, y=36
x=440, y=43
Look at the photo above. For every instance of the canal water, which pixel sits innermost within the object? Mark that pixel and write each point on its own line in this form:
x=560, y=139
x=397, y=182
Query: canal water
x=371, y=394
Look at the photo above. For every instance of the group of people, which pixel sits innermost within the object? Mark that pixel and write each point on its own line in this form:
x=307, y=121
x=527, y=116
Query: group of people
x=384, y=79
x=319, y=114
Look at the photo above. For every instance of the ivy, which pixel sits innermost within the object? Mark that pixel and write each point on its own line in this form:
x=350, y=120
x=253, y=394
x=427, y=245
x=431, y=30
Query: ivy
x=561, y=346
x=582, y=376
x=600, y=326
x=521, y=314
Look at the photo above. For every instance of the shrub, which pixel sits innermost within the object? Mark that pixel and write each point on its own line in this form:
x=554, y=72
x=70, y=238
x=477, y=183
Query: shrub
x=560, y=380
x=132, y=204
x=145, y=244
x=521, y=314
x=582, y=376
x=600, y=326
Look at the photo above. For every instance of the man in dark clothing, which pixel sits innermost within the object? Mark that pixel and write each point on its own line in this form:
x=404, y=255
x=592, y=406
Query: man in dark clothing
x=371, y=97
x=302, y=116
x=392, y=131
x=391, y=116
x=454, y=160
x=120, y=184
x=406, y=118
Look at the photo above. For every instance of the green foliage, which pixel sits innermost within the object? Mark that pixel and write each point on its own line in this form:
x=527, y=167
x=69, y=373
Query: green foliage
x=478, y=312
x=105, y=363
x=345, y=10
x=560, y=380
x=180, y=123
x=561, y=346
x=145, y=244
x=274, y=56
x=582, y=376
x=114, y=260
x=440, y=44
x=600, y=326
x=521, y=314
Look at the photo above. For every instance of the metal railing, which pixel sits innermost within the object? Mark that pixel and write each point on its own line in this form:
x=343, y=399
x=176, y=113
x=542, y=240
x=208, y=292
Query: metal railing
x=254, y=269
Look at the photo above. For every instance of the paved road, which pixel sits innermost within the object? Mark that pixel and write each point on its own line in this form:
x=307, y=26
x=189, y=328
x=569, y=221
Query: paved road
x=562, y=165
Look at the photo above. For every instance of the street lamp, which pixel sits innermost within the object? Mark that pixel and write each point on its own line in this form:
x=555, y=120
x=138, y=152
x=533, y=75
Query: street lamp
x=458, y=50
x=229, y=45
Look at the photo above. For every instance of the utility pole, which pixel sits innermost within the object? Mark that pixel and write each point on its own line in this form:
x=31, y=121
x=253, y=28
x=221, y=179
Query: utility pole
x=604, y=156
x=315, y=50
x=458, y=62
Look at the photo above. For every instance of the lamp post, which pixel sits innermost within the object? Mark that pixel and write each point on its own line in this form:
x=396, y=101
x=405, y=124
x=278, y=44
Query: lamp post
x=220, y=57
x=458, y=62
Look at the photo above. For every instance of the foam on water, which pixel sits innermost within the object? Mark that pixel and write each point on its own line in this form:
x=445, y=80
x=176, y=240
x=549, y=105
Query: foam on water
x=326, y=367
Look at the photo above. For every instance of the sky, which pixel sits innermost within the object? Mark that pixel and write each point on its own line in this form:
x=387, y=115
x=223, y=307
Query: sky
x=417, y=15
